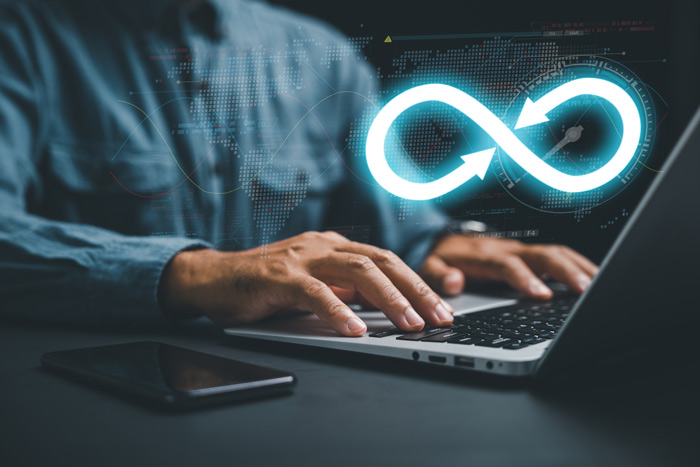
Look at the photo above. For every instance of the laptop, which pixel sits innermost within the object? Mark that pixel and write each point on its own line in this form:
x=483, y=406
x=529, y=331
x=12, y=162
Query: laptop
x=643, y=295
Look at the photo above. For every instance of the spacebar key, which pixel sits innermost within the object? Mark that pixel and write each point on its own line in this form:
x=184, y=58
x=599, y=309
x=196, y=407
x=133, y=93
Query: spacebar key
x=416, y=336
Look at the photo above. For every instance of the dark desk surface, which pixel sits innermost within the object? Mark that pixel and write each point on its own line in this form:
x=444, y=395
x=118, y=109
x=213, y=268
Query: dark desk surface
x=346, y=410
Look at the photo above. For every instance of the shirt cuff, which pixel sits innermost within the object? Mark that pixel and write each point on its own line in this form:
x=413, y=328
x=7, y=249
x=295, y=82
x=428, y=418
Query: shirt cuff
x=137, y=272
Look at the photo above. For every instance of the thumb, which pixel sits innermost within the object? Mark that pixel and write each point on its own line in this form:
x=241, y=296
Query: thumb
x=442, y=277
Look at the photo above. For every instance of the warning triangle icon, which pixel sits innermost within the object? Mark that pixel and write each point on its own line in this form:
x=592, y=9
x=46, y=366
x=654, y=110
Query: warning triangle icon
x=388, y=39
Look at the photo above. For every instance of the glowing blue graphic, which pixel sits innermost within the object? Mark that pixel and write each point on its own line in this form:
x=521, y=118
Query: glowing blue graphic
x=477, y=163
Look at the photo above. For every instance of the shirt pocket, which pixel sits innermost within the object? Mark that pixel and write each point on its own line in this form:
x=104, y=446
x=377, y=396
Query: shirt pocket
x=98, y=169
x=138, y=192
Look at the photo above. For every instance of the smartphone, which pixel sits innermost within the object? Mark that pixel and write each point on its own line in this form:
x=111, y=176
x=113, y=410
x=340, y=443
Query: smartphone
x=169, y=375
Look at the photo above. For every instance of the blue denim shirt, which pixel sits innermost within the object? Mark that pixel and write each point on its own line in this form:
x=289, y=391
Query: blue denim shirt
x=133, y=130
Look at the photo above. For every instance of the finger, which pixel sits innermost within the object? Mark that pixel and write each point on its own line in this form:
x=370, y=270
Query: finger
x=351, y=296
x=355, y=271
x=560, y=266
x=513, y=270
x=425, y=301
x=584, y=263
x=315, y=296
x=441, y=276
x=346, y=295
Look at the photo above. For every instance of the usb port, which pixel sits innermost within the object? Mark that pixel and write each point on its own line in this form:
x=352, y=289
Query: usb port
x=437, y=359
x=464, y=361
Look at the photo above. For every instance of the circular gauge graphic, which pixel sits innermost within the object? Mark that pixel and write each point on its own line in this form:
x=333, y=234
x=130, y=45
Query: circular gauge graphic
x=581, y=135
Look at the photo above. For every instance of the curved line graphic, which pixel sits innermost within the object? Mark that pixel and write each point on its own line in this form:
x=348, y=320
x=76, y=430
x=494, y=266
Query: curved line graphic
x=309, y=111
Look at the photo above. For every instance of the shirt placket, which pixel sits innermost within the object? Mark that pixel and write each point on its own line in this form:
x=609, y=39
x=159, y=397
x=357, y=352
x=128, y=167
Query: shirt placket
x=212, y=175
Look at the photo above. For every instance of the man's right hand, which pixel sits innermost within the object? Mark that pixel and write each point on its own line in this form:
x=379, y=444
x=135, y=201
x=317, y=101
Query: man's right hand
x=311, y=271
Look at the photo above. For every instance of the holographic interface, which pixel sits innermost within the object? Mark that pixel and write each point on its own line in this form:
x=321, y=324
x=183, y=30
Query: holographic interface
x=547, y=133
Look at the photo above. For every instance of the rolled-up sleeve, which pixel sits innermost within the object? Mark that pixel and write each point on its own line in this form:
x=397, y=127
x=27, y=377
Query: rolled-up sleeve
x=59, y=271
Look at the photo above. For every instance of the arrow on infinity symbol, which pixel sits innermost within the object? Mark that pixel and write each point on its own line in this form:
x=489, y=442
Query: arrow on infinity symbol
x=475, y=164
x=479, y=161
x=536, y=112
x=532, y=114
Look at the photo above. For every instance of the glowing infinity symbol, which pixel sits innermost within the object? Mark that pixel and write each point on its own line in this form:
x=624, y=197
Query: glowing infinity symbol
x=477, y=163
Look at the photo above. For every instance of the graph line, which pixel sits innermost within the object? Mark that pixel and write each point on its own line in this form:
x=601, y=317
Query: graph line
x=309, y=111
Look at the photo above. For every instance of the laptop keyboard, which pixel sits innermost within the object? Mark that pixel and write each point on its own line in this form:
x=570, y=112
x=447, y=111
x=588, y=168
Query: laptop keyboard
x=511, y=327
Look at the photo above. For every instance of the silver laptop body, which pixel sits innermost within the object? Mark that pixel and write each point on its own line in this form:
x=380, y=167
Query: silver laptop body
x=642, y=296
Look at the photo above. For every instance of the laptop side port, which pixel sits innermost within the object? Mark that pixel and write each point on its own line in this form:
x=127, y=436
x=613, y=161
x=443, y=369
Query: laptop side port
x=464, y=361
x=437, y=359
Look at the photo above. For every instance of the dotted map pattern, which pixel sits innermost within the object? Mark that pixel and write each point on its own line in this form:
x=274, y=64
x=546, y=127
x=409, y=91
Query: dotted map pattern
x=424, y=143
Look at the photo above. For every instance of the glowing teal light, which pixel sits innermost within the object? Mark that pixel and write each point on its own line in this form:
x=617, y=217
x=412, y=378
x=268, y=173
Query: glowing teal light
x=477, y=163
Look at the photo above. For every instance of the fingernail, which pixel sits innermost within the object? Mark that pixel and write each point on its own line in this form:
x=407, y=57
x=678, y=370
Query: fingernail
x=413, y=318
x=584, y=282
x=356, y=325
x=538, y=288
x=442, y=313
x=448, y=306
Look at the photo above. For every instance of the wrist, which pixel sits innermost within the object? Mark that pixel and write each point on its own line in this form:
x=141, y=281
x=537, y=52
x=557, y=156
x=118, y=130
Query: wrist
x=182, y=281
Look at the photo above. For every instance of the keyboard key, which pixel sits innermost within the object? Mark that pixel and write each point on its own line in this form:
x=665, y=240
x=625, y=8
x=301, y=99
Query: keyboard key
x=388, y=332
x=392, y=331
x=498, y=342
x=416, y=336
x=516, y=335
x=483, y=335
x=515, y=345
x=464, y=340
x=533, y=340
x=443, y=337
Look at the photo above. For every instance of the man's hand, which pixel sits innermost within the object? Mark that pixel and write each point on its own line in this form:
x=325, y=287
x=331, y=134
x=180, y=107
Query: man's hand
x=311, y=271
x=459, y=258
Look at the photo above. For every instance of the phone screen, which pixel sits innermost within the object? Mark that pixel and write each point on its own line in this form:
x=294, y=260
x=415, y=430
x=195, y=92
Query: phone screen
x=154, y=368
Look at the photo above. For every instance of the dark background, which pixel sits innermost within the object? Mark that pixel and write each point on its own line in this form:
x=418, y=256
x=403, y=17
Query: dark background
x=678, y=35
x=397, y=18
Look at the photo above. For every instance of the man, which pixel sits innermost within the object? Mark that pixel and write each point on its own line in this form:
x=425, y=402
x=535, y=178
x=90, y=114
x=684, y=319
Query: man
x=109, y=212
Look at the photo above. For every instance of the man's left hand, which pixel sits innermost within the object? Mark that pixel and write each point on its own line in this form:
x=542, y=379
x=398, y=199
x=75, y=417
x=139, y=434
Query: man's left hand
x=458, y=259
